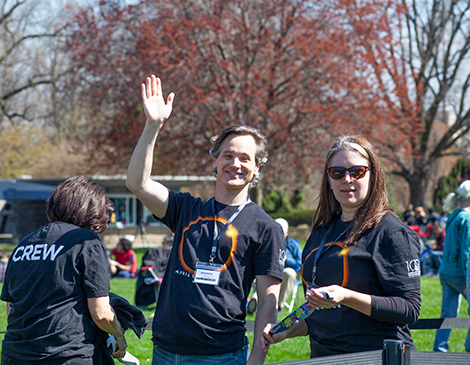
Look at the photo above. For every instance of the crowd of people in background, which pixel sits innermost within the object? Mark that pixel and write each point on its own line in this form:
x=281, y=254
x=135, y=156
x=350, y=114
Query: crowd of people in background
x=431, y=231
x=425, y=224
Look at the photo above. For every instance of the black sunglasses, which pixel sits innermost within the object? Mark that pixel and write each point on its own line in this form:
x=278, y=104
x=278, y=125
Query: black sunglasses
x=356, y=172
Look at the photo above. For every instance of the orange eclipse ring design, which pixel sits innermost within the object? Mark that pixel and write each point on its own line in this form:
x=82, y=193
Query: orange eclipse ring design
x=231, y=232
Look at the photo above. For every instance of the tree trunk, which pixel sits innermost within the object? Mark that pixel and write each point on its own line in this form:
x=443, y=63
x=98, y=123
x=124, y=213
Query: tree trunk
x=418, y=183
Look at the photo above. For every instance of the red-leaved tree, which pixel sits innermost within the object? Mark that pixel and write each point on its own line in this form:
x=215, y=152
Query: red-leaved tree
x=300, y=71
x=422, y=76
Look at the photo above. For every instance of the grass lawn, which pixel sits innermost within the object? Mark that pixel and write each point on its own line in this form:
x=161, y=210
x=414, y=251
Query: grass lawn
x=291, y=349
x=298, y=348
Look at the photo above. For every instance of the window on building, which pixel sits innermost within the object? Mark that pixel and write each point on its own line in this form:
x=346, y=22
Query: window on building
x=149, y=219
x=124, y=210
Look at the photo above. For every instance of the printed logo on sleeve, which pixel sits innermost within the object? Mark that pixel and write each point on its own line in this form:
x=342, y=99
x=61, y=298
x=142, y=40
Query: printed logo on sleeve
x=414, y=268
x=282, y=257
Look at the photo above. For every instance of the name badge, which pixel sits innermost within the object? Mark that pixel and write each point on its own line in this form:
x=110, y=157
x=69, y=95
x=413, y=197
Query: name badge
x=207, y=273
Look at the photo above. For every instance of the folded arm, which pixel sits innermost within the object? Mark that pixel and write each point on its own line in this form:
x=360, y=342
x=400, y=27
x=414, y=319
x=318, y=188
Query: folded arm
x=403, y=309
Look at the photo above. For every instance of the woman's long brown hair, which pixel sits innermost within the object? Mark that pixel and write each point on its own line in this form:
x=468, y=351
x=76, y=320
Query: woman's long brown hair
x=376, y=205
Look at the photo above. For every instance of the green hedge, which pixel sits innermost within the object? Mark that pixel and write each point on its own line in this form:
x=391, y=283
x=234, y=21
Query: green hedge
x=296, y=217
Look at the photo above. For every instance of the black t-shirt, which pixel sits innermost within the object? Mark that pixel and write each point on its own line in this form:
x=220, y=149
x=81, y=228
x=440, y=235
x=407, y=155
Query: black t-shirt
x=50, y=275
x=201, y=319
x=384, y=262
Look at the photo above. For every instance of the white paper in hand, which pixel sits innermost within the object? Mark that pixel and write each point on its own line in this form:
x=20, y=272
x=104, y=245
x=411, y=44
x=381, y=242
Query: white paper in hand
x=128, y=358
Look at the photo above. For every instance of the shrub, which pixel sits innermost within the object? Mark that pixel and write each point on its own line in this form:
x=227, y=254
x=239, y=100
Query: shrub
x=296, y=217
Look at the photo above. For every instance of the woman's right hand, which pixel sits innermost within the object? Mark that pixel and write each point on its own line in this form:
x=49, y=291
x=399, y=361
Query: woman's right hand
x=268, y=338
x=121, y=346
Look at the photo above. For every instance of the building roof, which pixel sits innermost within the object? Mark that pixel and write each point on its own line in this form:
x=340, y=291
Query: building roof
x=21, y=190
x=118, y=182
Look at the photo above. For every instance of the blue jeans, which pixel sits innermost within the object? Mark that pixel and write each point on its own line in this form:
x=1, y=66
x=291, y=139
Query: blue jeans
x=123, y=274
x=452, y=289
x=162, y=357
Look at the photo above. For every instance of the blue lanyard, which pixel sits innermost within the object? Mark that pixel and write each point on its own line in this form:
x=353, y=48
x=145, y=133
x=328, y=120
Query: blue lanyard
x=319, y=252
x=230, y=220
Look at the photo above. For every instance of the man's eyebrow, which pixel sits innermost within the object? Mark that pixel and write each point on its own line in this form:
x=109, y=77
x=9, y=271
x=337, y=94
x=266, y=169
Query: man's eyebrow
x=243, y=153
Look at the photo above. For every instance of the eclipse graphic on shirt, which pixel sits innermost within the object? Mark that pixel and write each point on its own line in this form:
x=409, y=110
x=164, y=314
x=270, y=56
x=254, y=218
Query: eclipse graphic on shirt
x=202, y=230
x=342, y=252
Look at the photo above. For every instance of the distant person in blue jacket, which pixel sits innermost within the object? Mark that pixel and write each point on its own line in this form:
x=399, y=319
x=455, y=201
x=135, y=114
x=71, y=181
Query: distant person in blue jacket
x=453, y=269
x=292, y=265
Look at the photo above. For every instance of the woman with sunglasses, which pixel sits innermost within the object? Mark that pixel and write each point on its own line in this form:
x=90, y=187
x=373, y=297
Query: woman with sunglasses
x=360, y=263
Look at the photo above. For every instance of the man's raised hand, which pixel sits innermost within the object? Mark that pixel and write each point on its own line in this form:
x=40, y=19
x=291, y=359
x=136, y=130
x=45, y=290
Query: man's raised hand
x=154, y=105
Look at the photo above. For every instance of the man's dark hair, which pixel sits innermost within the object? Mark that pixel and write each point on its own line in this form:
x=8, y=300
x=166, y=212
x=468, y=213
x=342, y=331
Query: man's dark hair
x=82, y=202
x=126, y=244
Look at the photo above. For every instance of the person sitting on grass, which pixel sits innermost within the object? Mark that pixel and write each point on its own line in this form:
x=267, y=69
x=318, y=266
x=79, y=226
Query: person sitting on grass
x=125, y=263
